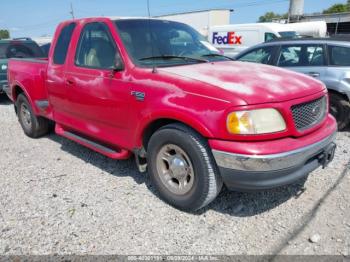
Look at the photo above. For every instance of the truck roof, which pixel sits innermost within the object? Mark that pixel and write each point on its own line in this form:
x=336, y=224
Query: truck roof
x=112, y=18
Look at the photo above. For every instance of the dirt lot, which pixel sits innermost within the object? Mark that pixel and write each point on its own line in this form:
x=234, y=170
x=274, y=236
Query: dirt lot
x=59, y=197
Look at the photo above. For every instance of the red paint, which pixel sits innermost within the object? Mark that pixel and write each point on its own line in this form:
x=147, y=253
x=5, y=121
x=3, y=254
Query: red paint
x=100, y=105
x=234, y=39
x=231, y=38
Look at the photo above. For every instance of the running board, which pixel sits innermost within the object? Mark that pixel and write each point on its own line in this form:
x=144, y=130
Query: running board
x=109, y=152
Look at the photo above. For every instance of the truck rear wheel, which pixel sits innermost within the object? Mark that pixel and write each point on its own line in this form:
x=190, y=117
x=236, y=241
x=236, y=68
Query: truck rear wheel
x=340, y=109
x=182, y=167
x=32, y=125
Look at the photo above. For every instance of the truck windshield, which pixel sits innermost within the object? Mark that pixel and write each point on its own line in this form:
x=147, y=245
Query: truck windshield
x=151, y=42
x=289, y=34
x=20, y=50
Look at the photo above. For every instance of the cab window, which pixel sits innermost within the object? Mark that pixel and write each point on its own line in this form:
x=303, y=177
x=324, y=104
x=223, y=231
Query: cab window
x=301, y=55
x=260, y=55
x=270, y=36
x=96, y=48
x=339, y=56
x=18, y=49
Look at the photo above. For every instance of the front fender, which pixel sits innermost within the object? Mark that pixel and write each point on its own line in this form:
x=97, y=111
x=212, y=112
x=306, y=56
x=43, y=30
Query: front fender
x=177, y=116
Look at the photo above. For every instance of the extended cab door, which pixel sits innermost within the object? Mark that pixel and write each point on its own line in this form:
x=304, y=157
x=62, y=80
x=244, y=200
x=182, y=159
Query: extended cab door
x=56, y=78
x=309, y=59
x=98, y=95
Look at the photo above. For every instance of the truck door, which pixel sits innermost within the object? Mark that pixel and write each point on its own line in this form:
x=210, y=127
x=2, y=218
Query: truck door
x=308, y=59
x=98, y=96
x=55, y=82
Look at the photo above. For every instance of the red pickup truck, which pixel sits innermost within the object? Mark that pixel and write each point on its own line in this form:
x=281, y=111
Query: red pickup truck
x=195, y=119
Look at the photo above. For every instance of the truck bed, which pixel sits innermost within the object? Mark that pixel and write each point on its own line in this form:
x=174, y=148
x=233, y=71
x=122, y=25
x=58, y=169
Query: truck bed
x=31, y=74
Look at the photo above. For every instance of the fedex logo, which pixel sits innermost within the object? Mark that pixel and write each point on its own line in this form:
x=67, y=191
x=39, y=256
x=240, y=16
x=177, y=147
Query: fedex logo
x=229, y=39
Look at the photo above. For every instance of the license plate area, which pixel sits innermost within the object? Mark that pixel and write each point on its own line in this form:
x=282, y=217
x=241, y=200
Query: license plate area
x=327, y=155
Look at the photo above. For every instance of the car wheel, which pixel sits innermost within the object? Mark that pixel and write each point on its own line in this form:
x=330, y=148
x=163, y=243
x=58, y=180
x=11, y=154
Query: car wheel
x=32, y=125
x=182, y=167
x=340, y=109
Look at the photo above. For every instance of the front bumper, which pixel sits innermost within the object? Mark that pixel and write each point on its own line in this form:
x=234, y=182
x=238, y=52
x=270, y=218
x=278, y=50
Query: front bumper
x=254, y=172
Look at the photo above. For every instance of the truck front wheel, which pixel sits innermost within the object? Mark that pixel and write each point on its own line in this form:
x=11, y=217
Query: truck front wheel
x=182, y=167
x=340, y=109
x=32, y=125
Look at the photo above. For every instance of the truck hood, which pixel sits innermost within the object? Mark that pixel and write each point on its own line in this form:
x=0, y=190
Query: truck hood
x=254, y=83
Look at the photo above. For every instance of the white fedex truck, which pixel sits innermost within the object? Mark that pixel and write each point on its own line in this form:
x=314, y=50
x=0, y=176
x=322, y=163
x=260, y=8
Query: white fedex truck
x=234, y=38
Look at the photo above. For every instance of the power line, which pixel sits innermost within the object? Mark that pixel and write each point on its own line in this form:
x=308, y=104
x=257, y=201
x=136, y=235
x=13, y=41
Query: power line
x=71, y=10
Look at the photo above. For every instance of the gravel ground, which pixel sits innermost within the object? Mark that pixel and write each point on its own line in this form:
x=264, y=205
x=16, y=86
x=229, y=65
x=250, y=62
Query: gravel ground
x=59, y=197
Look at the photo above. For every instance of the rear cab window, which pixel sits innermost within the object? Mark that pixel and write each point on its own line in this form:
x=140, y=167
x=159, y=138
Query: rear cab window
x=20, y=49
x=339, y=55
x=61, y=48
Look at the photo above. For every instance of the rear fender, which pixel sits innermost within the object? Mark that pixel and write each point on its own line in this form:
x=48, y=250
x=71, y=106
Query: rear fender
x=15, y=85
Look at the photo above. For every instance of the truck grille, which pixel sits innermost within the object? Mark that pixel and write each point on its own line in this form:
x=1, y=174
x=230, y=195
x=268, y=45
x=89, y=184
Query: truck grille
x=308, y=114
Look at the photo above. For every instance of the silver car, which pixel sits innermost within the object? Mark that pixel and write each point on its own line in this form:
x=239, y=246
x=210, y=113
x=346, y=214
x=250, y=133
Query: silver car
x=326, y=59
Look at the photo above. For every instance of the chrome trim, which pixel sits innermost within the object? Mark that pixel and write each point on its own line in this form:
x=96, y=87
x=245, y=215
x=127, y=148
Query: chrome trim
x=270, y=162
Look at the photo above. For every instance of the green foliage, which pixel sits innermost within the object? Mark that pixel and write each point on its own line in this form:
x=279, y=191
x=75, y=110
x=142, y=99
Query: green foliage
x=4, y=34
x=269, y=16
x=338, y=8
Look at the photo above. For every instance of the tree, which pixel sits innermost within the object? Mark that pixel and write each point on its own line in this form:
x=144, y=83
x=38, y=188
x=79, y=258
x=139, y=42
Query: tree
x=338, y=8
x=269, y=16
x=4, y=33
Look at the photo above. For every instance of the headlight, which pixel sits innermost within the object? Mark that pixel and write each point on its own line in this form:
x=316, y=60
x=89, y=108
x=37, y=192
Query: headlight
x=3, y=67
x=252, y=122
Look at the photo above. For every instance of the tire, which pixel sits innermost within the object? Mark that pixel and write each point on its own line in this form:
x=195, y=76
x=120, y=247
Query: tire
x=340, y=109
x=197, y=172
x=32, y=125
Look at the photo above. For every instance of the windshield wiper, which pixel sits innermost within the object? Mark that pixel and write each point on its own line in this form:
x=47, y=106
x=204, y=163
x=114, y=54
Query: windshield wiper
x=219, y=55
x=186, y=58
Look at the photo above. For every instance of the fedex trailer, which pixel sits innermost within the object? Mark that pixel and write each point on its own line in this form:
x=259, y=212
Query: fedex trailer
x=232, y=39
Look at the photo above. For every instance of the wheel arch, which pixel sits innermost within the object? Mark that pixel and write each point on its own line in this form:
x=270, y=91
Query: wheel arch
x=334, y=91
x=155, y=124
x=18, y=89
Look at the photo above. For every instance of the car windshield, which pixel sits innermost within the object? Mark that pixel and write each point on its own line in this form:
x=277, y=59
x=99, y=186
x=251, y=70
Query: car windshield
x=289, y=34
x=18, y=49
x=151, y=42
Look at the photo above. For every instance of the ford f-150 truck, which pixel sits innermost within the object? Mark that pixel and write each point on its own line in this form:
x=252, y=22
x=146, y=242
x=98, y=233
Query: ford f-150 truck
x=193, y=118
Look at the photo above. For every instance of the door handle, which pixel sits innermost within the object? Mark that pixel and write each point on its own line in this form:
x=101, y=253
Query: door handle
x=70, y=82
x=314, y=74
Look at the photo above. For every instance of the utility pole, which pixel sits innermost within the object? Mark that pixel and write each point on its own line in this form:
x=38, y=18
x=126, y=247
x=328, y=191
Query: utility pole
x=71, y=10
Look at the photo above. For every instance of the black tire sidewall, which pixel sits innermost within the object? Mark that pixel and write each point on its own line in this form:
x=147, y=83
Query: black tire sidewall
x=28, y=131
x=197, y=195
x=343, y=107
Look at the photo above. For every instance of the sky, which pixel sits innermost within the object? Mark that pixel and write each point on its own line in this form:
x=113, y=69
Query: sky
x=34, y=18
